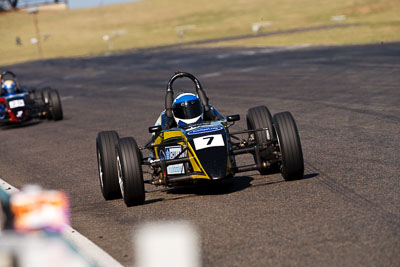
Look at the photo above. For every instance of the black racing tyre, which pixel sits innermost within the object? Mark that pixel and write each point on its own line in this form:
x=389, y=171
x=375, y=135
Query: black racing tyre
x=130, y=172
x=292, y=165
x=106, y=144
x=55, y=105
x=46, y=102
x=46, y=94
x=260, y=117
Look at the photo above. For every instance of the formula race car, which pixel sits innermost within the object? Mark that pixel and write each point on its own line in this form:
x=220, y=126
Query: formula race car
x=192, y=141
x=18, y=104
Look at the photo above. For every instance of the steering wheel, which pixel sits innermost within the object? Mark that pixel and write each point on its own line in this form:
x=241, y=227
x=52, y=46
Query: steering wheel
x=169, y=98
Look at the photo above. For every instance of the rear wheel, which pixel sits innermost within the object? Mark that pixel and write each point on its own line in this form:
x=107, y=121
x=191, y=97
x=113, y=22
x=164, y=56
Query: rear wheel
x=46, y=101
x=292, y=166
x=55, y=105
x=106, y=143
x=46, y=94
x=260, y=117
x=130, y=175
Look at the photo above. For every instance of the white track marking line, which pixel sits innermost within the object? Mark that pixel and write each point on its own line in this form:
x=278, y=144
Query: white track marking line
x=282, y=48
x=89, y=249
x=63, y=98
x=222, y=56
x=247, y=53
x=175, y=61
x=123, y=88
x=212, y=74
x=266, y=50
x=249, y=69
x=86, y=247
x=9, y=189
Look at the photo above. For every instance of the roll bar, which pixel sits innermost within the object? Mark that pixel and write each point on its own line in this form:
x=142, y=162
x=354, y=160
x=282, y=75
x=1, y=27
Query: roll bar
x=4, y=73
x=14, y=78
x=169, y=98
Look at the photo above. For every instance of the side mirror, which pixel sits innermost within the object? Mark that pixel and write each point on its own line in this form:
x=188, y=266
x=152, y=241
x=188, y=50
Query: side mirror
x=232, y=118
x=155, y=129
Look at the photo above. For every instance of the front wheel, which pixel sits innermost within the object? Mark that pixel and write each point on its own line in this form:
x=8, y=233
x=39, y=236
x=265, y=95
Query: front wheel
x=130, y=174
x=292, y=165
x=106, y=143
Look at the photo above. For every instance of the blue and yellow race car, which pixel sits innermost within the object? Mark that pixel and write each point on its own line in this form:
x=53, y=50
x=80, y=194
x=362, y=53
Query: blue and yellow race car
x=18, y=105
x=192, y=141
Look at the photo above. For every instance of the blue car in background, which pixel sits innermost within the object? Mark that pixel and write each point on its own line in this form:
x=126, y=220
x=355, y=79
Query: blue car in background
x=18, y=105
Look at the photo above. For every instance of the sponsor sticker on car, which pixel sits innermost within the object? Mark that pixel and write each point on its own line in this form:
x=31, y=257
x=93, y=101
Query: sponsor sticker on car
x=16, y=103
x=205, y=130
x=172, y=152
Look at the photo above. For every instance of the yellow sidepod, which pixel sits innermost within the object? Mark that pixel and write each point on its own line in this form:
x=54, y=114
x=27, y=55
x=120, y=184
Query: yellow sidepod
x=194, y=161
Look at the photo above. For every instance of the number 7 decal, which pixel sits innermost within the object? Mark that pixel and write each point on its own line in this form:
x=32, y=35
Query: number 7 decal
x=211, y=138
x=208, y=141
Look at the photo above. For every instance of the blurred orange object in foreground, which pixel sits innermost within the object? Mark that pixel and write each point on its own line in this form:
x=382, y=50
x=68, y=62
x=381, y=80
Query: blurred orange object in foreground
x=37, y=209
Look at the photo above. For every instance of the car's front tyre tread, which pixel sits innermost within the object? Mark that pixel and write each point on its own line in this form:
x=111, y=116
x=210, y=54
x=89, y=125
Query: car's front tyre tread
x=106, y=143
x=292, y=166
x=131, y=172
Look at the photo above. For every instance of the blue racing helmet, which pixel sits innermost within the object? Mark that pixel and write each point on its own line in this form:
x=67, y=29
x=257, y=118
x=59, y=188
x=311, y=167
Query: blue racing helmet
x=187, y=109
x=9, y=87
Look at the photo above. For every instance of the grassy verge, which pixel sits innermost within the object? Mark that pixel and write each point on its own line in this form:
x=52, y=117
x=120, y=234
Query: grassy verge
x=152, y=23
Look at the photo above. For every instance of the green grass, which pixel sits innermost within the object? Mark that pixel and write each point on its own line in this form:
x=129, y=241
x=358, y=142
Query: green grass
x=152, y=23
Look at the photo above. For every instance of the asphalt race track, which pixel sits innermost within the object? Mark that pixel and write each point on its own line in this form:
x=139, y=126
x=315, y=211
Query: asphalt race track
x=346, y=210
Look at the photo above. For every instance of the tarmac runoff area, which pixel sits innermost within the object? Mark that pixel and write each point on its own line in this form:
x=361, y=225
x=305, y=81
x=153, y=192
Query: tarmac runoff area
x=345, y=100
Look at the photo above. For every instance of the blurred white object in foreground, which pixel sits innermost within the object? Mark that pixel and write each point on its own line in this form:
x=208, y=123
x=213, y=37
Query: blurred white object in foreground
x=167, y=244
x=37, y=209
x=38, y=250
